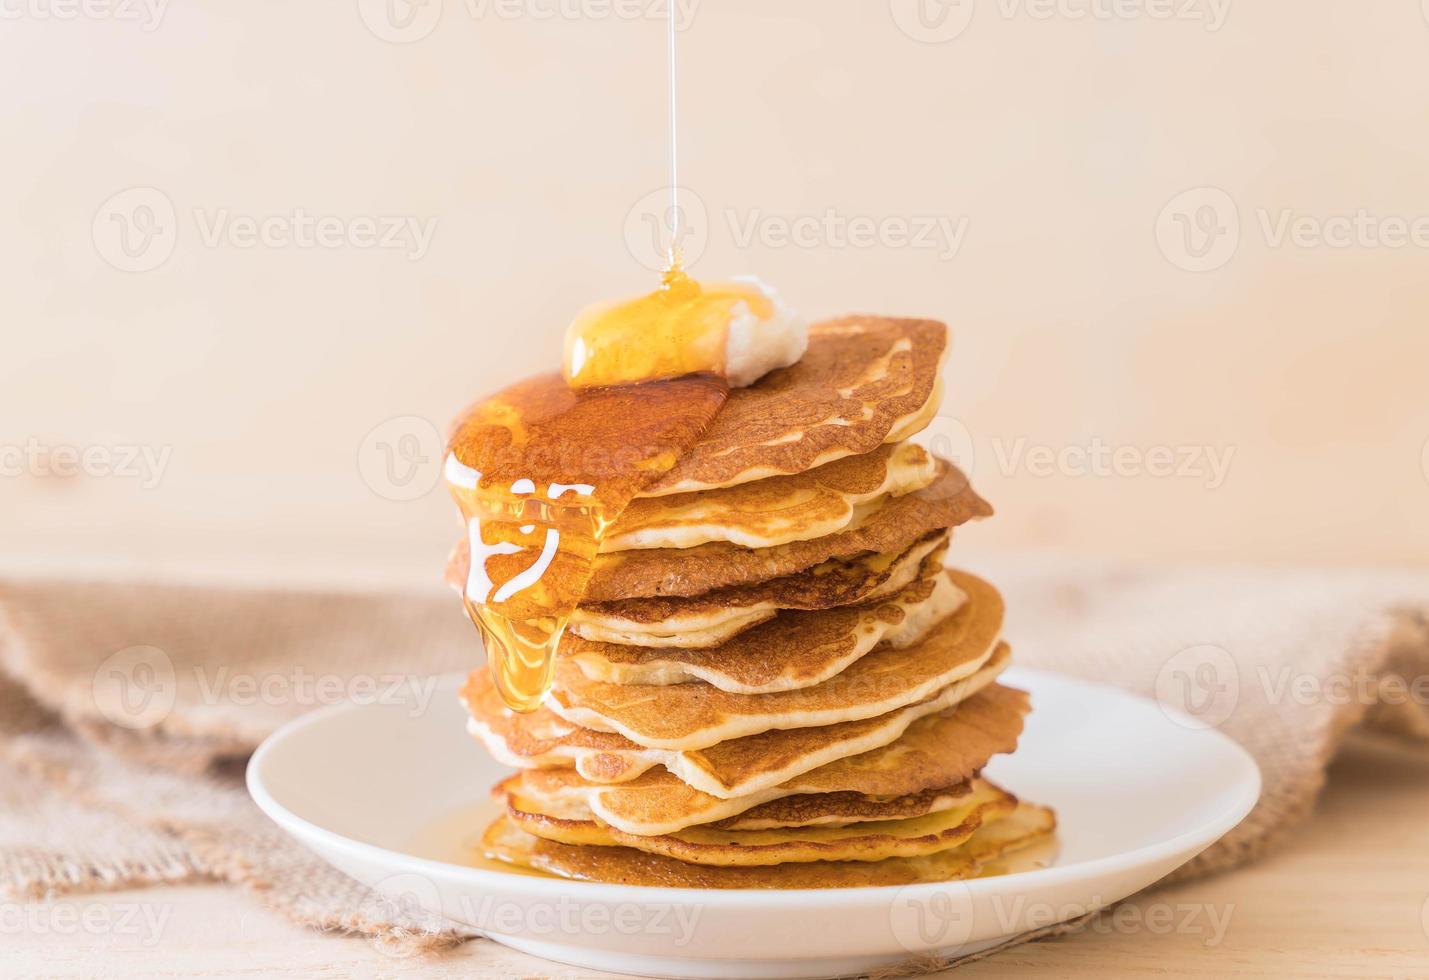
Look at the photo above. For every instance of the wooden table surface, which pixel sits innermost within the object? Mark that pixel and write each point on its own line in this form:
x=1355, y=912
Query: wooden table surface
x=1348, y=896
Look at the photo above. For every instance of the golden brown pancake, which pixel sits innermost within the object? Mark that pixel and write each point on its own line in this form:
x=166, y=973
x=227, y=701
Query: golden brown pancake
x=716, y=617
x=775, y=511
x=562, y=794
x=860, y=381
x=1027, y=825
x=840, y=809
x=937, y=751
x=892, y=526
x=807, y=647
x=698, y=715
x=873, y=841
x=736, y=768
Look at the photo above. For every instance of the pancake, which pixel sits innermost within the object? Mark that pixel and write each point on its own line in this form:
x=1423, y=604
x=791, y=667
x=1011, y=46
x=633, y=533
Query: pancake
x=938, y=751
x=736, y=768
x=561, y=794
x=890, y=527
x=1026, y=826
x=861, y=383
x=873, y=841
x=840, y=809
x=812, y=646
x=715, y=617
x=777, y=510
x=698, y=715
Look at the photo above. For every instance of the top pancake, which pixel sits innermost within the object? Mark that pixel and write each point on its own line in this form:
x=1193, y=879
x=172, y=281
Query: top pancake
x=892, y=526
x=863, y=380
x=775, y=511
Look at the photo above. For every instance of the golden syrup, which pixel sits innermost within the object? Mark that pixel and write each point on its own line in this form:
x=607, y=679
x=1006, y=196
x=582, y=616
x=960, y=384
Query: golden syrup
x=539, y=472
x=455, y=838
x=681, y=328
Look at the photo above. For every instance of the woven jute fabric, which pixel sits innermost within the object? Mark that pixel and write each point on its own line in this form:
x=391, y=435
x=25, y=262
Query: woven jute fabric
x=128, y=708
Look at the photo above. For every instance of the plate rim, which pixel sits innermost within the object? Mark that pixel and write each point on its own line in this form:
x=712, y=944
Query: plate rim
x=1249, y=782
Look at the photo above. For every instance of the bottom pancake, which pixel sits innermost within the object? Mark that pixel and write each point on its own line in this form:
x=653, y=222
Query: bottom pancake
x=867, y=841
x=1024, y=827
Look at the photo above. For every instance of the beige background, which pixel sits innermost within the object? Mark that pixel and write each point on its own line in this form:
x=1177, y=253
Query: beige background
x=269, y=374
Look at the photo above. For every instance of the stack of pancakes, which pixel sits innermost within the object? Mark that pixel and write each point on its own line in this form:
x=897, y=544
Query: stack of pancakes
x=772, y=680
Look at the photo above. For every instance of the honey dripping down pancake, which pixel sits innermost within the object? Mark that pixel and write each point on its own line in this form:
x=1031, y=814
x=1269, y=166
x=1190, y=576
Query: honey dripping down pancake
x=540, y=471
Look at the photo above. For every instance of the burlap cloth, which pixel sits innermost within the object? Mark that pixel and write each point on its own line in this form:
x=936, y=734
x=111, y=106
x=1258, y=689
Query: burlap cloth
x=126, y=709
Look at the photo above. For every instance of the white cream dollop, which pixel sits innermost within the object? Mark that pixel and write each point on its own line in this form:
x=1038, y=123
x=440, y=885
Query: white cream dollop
x=755, y=346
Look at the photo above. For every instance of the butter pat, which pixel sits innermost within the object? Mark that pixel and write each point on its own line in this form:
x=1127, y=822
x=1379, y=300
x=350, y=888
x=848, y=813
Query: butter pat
x=739, y=330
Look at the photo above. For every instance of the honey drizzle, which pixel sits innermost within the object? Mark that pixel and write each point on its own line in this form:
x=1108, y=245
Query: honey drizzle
x=543, y=468
x=539, y=472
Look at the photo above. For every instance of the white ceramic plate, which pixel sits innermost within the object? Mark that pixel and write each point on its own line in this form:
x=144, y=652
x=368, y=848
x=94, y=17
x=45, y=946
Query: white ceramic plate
x=394, y=793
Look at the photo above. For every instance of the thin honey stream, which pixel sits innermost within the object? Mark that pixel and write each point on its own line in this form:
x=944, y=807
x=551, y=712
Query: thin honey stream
x=543, y=468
